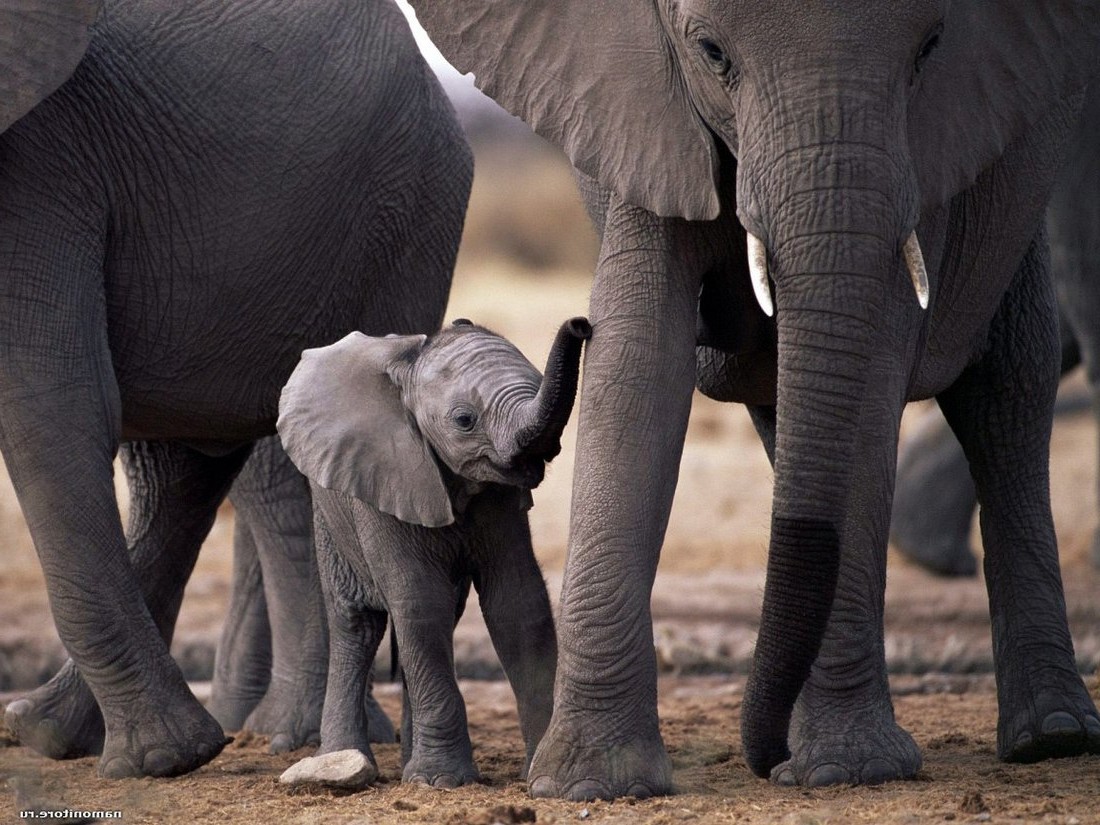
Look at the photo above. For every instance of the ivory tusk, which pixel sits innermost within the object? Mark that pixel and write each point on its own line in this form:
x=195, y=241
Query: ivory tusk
x=914, y=260
x=758, y=271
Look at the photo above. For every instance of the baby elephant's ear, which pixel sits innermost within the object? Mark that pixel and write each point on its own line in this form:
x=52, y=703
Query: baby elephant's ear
x=343, y=425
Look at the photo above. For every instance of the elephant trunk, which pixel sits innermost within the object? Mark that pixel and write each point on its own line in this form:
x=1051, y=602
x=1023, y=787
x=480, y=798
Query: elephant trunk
x=545, y=416
x=837, y=262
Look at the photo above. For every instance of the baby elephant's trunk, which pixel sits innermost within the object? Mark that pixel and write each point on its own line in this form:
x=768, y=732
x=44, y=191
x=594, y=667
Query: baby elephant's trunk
x=548, y=412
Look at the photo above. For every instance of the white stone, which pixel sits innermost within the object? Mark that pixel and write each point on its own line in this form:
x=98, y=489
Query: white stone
x=347, y=769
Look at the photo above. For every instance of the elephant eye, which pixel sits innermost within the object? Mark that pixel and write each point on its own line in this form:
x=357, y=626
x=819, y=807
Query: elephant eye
x=464, y=419
x=931, y=41
x=713, y=54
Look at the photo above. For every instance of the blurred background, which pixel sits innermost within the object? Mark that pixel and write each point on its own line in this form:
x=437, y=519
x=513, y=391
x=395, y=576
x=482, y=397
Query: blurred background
x=525, y=265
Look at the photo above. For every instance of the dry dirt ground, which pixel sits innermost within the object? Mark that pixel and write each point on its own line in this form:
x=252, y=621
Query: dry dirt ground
x=705, y=606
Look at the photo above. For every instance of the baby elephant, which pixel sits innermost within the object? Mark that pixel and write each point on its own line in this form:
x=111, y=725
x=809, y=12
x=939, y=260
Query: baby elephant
x=421, y=454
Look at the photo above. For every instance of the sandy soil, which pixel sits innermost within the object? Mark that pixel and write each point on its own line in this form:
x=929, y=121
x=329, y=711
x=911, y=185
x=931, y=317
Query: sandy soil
x=705, y=606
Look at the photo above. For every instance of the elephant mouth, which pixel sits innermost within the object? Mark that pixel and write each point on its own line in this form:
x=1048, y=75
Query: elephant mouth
x=526, y=473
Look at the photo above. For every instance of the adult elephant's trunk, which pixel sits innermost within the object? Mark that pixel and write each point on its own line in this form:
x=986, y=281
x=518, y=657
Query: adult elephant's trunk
x=834, y=247
x=546, y=415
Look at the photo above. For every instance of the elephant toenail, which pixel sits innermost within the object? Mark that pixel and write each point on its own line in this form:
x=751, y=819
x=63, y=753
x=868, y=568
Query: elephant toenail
x=1060, y=723
x=16, y=711
x=639, y=790
x=585, y=790
x=446, y=781
x=118, y=768
x=1092, y=727
x=1024, y=740
x=159, y=762
x=542, y=787
x=877, y=771
x=829, y=774
x=784, y=777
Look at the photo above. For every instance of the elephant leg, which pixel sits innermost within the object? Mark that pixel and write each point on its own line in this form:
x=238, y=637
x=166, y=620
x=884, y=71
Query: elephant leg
x=934, y=501
x=1001, y=408
x=1073, y=221
x=843, y=730
x=242, y=663
x=517, y=613
x=437, y=738
x=175, y=493
x=355, y=632
x=272, y=500
x=934, y=498
x=604, y=740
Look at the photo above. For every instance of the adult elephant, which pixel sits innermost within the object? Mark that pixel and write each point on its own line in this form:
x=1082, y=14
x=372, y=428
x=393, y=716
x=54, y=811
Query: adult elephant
x=213, y=189
x=837, y=138
x=935, y=498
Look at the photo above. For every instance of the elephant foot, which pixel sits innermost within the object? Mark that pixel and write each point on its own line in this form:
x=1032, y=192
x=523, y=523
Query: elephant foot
x=568, y=764
x=859, y=748
x=1055, y=724
x=441, y=769
x=290, y=714
x=61, y=719
x=1094, y=553
x=379, y=727
x=942, y=553
x=160, y=739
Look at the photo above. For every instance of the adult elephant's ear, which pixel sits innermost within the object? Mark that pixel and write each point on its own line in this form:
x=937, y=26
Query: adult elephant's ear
x=598, y=78
x=343, y=425
x=999, y=66
x=41, y=43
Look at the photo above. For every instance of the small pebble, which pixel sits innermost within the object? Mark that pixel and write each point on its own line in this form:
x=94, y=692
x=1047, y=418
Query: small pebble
x=347, y=769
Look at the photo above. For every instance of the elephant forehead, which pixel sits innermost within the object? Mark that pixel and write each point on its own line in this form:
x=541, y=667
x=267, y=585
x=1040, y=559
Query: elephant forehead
x=478, y=363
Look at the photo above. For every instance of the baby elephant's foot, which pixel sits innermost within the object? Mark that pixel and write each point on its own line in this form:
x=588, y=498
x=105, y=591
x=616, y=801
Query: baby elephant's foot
x=1056, y=724
x=857, y=749
x=290, y=715
x=60, y=719
x=441, y=770
x=164, y=738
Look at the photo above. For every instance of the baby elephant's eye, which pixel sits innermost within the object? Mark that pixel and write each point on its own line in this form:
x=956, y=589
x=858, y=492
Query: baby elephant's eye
x=464, y=419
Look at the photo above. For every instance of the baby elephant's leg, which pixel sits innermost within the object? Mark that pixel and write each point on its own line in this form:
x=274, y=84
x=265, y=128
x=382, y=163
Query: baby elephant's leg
x=355, y=631
x=423, y=606
x=517, y=613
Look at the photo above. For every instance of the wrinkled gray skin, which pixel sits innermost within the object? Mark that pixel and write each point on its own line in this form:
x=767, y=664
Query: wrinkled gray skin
x=830, y=133
x=213, y=189
x=271, y=661
x=934, y=501
x=404, y=533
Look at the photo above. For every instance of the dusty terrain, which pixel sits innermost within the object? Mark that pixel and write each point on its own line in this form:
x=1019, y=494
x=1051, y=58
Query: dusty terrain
x=705, y=606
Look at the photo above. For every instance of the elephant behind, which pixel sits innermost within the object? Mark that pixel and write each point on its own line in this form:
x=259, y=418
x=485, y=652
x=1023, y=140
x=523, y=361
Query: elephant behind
x=190, y=195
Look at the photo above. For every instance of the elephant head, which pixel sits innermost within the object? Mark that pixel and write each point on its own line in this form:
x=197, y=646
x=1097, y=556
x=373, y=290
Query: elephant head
x=41, y=43
x=846, y=126
x=389, y=420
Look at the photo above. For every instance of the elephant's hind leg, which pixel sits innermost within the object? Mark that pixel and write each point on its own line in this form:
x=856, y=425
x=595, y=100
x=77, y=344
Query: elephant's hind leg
x=1001, y=409
x=242, y=664
x=273, y=505
x=175, y=493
